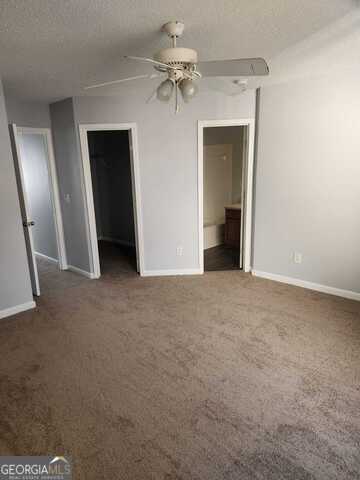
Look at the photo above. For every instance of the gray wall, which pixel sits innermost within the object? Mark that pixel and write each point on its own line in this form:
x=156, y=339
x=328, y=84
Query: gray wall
x=168, y=163
x=70, y=179
x=33, y=152
x=112, y=187
x=15, y=287
x=27, y=114
x=307, y=183
x=232, y=136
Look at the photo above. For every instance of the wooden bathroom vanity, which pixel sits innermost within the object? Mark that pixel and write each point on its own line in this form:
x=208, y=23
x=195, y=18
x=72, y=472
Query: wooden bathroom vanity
x=232, y=225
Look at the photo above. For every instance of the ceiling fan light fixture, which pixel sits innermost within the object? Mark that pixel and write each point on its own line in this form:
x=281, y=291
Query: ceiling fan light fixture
x=188, y=89
x=182, y=68
x=165, y=90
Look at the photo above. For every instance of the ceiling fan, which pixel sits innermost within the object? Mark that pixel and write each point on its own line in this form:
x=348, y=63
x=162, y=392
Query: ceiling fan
x=182, y=69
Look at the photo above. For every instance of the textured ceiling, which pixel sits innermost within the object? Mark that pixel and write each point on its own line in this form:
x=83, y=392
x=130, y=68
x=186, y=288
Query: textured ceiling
x=50, y=49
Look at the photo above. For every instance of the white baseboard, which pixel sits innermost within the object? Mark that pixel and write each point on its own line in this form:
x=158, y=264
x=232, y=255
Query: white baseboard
x=161, y=273
x=17, y=309
x=45, y=257
x=309, y=285
x=116, y=240
x=81, y=272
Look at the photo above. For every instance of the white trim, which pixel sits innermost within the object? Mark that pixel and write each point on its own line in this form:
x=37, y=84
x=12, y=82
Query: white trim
x=200, y=192
x=247, y=208
x=94, y=260
x=243, y=195
x=54, y=190
x=32, y=130
x=7, y=312
x=89, y=199
x=248, y=185
x=45, y=257
x=309, y=285
x=161, y=273
x=84, y=273
x=136, y=194
x=56, y=203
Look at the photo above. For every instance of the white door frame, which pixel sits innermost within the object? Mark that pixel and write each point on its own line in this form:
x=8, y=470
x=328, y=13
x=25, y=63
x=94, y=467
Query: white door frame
x=54, y=187
x=89, y=197
x=248, y=184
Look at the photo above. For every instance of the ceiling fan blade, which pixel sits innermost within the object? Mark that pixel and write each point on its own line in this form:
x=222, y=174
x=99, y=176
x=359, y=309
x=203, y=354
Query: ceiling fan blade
x=152, y=96
x=150, y=60
x=228, y=93
x=242, y=67
x=121, y=80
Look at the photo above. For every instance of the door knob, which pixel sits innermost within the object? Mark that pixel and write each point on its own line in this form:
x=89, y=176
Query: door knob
x=29, y=224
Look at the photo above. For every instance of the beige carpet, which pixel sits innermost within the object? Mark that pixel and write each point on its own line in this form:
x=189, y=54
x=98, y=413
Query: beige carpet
x=223, y=376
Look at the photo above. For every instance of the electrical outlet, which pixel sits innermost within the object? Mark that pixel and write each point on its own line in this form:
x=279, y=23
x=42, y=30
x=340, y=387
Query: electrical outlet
x=297, y=257
x=179, y=251
x=67, y=198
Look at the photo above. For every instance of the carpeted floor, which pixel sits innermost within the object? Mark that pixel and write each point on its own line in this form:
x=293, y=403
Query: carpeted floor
x=217, y=377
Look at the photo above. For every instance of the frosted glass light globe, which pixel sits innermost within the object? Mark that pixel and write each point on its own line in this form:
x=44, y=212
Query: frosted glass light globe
x=165, y=90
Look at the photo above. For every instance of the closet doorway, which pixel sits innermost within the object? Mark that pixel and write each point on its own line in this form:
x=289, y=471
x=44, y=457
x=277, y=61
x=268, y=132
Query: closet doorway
x=109, y=156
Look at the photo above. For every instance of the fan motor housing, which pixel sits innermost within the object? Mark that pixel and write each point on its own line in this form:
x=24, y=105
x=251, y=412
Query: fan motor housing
x=176, y=56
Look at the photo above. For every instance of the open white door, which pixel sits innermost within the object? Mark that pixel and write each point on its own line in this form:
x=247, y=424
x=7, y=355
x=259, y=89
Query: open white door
x=243, y=192
x=134, y=196
x=25, y=213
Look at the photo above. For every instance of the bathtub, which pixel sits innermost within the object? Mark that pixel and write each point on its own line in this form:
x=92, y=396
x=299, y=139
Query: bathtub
x=214, y=234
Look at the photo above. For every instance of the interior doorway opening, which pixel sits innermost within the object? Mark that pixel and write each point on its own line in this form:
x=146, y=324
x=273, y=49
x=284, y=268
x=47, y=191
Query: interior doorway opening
x=109, y=153
x=112, y=191
x=39, y=201
x=223, y=189
x=225, y=176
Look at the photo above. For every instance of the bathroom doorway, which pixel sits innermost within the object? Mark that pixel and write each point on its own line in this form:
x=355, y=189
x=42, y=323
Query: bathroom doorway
x=225, y=193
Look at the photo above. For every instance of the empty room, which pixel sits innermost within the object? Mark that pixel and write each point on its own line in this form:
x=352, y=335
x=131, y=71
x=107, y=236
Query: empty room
x=179, y=241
